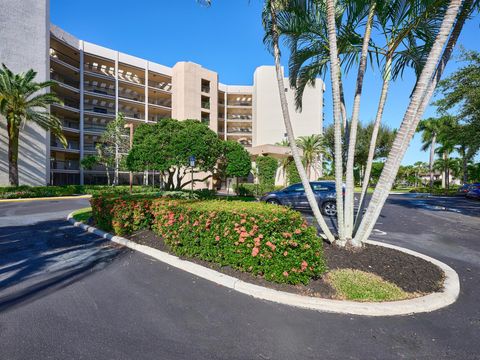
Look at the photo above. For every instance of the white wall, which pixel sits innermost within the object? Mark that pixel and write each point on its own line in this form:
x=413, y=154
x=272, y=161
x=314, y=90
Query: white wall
x=24, y=32
x=268, y=125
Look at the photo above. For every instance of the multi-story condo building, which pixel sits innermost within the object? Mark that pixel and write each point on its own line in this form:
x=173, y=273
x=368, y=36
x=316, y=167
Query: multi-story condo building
x=96, y=84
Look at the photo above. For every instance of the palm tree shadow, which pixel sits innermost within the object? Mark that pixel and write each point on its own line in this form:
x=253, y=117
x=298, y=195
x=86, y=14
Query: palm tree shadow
x=40, y=259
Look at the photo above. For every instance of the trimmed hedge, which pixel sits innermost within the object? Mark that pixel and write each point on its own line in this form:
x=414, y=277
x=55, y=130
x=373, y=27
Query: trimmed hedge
x=267, y=240
x=436, y=191
x=11, y=192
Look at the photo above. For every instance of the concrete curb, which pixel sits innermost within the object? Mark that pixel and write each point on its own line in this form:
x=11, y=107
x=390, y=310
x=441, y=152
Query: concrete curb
x=422, y=304
x=70, y=197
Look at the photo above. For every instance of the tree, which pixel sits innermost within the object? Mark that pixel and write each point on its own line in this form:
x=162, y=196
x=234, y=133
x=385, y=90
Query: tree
x=167, y=147
x=429, y=129
x=313, y=148
x=114, y=143
x=271, y=27
x=236, y=161
x=23, y=100
x=266, y=169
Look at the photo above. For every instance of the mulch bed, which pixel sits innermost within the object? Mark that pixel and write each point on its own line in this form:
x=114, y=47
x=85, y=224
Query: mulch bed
x=410, y=273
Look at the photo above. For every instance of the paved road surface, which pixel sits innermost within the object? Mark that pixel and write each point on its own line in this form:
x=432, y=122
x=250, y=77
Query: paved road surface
x=65, y=294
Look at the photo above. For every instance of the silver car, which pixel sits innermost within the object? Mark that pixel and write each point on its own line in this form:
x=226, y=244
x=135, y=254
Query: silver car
x=294, y=197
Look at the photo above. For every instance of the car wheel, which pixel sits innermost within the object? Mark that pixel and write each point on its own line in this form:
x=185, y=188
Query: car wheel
x=273, y=201
x=329, y=208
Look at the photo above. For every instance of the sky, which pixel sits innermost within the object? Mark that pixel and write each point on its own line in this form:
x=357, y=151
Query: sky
x=226, y=38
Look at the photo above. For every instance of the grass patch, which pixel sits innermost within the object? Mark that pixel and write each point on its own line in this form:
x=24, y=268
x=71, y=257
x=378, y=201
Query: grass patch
x=362, y=286
x=83, y=215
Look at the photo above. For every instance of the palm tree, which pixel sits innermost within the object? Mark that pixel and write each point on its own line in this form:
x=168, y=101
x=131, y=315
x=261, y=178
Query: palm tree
x=284, y=162
x=270, y=24
x=429, y=129
x=22, y=100
x=409, y=123
x=313, y=148
x=420, y=168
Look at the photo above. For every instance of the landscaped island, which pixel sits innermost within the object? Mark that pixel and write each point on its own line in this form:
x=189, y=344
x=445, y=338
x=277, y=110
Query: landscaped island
x=264, y=244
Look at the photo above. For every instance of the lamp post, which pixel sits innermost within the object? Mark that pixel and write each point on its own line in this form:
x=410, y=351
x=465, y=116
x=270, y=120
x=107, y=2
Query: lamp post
x=131, y=145
x=191, y=160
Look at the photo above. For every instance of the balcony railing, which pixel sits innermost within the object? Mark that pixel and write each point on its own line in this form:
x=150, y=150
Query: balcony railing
x=100, y=69
x=100, y=90
x=94, y=127
x=57, y=55
x=130, y=77
x=100, y=110
x=133, y=115
x=239, y=117
x=65, y=80
x=131, y=96
x=205, y=104
x=70, y=102
x=239, y=103
x=71, y=145
x=65, y=165
x=205, y=89
x=89, y=147
x=71, y=124
x=157, y=117
x=166, y=86
x=160, y=102
x=240, y=130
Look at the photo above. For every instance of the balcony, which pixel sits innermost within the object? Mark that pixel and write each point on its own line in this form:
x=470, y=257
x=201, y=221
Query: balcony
x=100, y=90
x=100, y=110
x=162, y=85
x=131, y=95
x=65, y=165
x=133, y=114
x=206, y=88
x=70, y=103
x=65, y=80
x=89, y=147
x=239, y=130
x=130, y=77
x=70, y=124
x=71, y=145
x=64, y=59
x=239, y=117
x=100, y=69
x=95, y=128
x=240, y=103
x=155, y=118
x=206, y=105
x=160, y=102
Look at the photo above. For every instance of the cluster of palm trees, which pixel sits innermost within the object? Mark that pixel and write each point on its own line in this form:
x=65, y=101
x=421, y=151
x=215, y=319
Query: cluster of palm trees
x=332, y=37
x=444, y=136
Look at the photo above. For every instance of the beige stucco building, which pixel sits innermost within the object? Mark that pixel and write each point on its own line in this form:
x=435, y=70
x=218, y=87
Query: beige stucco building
x=96, y=83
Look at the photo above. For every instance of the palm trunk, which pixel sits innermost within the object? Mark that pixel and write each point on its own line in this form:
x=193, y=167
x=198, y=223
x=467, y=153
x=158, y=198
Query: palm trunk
x=432, y=159
x=335, y=79
x=291, y=138
x=373, y=140
x=349, y=189
x=465, y=171
x=117, y=163
x=409, y=124
x=444, y=177
x=13, y=135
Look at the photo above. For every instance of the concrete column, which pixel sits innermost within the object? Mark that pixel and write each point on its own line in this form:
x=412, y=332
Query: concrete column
x=82, y=109
x=225, y=115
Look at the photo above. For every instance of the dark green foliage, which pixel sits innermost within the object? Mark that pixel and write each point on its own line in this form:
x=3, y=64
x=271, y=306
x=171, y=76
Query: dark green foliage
x=237, y=160
x=266, y=240
x=267, y=169
x=292, y=173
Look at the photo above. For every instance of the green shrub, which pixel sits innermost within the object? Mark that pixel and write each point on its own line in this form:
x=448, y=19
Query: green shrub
x=259, y=238
x=436, y=191
x=293, y=176
x=255, y=189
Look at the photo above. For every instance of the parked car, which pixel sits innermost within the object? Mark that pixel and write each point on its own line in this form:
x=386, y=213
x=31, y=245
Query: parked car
x=463, y=190
x=294, y=197
x=474, y=191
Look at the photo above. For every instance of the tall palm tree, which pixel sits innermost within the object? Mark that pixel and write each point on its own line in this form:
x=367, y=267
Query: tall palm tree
x=22, y=100
x=409, y=124
x=429, y=129
x=285, y=161
x=270, y=25
x=313, y=147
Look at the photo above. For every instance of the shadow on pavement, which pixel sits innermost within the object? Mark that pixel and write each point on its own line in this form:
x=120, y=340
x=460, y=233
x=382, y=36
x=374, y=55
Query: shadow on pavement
x=41, y=258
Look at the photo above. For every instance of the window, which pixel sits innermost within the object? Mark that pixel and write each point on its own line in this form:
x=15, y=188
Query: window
x=295, y=188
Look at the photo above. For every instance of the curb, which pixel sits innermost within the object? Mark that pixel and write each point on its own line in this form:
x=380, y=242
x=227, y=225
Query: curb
x=69, y=197
x=422, y=304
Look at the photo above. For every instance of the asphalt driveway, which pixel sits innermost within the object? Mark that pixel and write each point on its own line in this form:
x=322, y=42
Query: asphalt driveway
x=65, y=294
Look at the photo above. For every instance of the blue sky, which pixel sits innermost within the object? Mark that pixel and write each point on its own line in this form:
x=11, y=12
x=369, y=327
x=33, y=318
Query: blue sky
x=226, y=37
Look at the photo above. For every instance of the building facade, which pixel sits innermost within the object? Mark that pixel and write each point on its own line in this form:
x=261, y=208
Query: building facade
x=95, y=84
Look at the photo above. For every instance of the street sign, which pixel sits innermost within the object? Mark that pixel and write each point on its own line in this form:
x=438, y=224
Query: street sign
x=191, y=159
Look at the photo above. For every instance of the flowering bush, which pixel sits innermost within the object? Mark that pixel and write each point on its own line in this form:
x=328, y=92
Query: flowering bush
x=267, y=240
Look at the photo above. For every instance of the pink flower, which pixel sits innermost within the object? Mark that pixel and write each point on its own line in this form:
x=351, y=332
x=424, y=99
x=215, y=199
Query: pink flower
x=217, y=238
x=304, y=265
x=257, y=241
x=255, y=251
x=298, y=231
x=270, y=245
x=285, y=253
x=243, y=221
x=285, y=273
x=195, y=223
